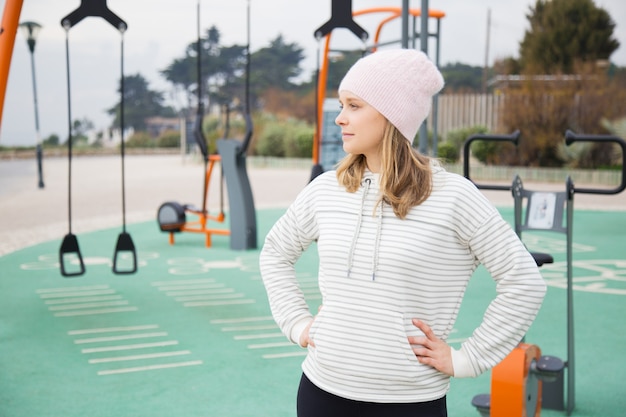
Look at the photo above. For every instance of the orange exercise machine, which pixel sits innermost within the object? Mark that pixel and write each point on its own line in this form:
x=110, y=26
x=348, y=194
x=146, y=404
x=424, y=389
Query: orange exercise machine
x=172, y=216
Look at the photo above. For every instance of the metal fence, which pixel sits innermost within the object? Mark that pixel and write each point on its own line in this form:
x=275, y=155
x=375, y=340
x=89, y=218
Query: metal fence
x=458, y=111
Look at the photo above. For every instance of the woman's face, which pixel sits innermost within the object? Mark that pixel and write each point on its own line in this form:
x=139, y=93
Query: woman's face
x=362, y=128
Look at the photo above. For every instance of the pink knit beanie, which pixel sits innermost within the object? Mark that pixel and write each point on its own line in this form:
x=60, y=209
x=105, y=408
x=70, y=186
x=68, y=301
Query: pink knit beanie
x=399, y=83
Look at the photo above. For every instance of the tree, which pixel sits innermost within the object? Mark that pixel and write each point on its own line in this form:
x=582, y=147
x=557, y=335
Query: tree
x=139, y=103
x=226, y=83
x=462, y=77
x=80, y=128
x=564, y=84
x=273, y=68
x=222, y=71
x=182, y=74
x=506, y=66
x=276, y=65
x=338, y=65
x=52, y=140
x=564, y=33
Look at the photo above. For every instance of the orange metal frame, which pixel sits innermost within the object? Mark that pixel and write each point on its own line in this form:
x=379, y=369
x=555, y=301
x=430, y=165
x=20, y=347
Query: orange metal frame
x=8, y=30
x=395, y=12
x=508, y=383
x=200, y=225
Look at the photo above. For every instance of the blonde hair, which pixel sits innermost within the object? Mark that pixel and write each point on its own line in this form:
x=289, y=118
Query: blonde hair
x=405, y=174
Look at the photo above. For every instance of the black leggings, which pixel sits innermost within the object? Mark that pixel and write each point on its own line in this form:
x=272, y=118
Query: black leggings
x=314, y=402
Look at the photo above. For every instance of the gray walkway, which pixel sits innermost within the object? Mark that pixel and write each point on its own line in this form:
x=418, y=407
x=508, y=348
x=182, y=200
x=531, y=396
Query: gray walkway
x=29, y=215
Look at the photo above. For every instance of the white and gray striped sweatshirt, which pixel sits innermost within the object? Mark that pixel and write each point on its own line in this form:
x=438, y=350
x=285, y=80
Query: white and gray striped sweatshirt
x=377, y=272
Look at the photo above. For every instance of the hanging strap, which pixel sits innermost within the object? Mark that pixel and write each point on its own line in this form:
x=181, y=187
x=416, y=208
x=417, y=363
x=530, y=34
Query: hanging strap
x=341, y=17
x=124, y=245
x=69, y=252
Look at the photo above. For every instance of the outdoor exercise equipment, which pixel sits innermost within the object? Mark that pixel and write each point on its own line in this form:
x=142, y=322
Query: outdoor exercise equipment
x=69, y=252
x=524, y=382
x=172, y=216
x=342, y=17
x=8, y=31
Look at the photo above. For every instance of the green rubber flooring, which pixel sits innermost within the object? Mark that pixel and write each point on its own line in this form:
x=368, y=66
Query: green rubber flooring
x=190, y=334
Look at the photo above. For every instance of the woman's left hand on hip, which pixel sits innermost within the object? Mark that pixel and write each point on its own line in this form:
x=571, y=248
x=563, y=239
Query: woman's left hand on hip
x=430, y=350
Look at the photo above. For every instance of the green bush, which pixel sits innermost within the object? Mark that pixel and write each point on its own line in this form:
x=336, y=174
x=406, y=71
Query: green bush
x=299, y=142
x=448, y=153
x=271, y=141
x=291, y=138
x=482, y=150
x=458, y=137
x=169, y=139
x=140, y=140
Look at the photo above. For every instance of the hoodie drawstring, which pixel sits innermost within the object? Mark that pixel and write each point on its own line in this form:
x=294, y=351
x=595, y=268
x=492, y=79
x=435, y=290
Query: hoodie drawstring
x=358, y=230
x=377, y=240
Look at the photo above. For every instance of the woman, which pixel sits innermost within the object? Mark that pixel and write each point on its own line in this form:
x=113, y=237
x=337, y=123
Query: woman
x=398, y=239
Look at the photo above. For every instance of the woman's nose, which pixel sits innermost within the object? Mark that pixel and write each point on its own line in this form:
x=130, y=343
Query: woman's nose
x=339, y=120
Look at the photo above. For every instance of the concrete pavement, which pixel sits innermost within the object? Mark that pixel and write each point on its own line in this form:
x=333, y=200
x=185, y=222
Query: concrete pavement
x=29, y=215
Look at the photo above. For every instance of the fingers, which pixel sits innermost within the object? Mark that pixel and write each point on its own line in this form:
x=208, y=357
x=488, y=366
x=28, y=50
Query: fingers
x=430, y=350
x=425, y=328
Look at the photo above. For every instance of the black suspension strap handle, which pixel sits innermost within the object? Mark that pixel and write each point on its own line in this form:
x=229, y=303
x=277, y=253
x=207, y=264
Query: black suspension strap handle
x=69, y=252
x=341, y=17
x=124, y=243
x=69, y=246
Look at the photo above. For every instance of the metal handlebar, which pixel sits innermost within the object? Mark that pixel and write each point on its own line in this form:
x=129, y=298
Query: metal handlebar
x=513, y=137
x=571, y=137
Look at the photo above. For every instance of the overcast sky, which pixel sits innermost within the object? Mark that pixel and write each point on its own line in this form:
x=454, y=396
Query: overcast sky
x=159, y=30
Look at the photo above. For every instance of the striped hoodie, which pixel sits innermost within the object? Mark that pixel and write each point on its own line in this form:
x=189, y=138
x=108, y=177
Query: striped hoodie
x=377, y=272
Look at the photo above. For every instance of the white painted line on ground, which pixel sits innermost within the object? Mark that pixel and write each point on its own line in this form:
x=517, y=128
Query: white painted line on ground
x=113, y=329
x=182, y=282
x=190, y=287
x=130, y=347
x=140, y=357
x=312, y=296
x=95, y=312
x=284, y=355
x=259, y=336
x=116, y=338
x=217, y=303
x=249, y=328
x=197, y=292
x=72, y=289
x=271, y=345
x=83, y=299
x=210, y=297
x=242, y=320
x=76, y=294
x=149, y=368
x=87, y=305
x=202, y=294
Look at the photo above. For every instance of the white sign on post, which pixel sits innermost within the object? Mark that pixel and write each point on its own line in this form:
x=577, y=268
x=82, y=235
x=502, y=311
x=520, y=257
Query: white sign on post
x=541, y=210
